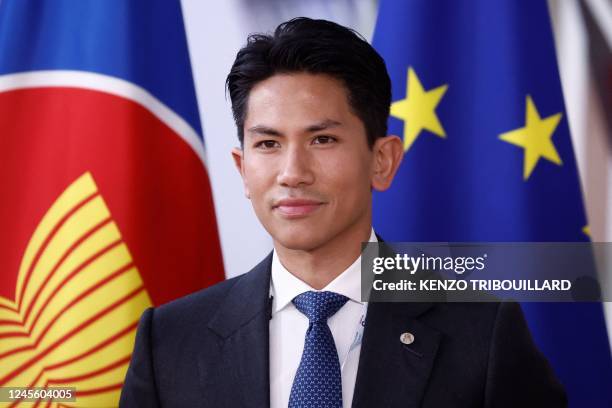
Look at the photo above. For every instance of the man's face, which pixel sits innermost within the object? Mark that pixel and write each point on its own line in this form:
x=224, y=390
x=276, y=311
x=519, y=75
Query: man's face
x=305, y=162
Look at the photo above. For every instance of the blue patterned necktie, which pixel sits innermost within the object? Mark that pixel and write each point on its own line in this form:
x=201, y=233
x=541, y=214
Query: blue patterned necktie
x=318, y=381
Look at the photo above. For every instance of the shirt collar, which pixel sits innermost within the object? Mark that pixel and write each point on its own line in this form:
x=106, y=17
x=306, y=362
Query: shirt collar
x=285, y=286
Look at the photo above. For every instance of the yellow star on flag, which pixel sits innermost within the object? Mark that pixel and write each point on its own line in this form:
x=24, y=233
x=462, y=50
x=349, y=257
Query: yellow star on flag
x=418, y=109
x=535, y=138
x=586, y=230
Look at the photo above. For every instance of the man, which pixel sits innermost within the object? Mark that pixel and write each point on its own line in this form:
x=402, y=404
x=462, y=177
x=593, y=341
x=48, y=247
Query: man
x=311, y=104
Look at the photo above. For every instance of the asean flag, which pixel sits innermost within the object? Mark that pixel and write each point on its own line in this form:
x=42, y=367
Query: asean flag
x=105, y=200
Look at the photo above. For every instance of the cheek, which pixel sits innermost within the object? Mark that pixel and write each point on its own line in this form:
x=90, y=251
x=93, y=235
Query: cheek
x=256, y=175
x=260, y=181
x=348, y=174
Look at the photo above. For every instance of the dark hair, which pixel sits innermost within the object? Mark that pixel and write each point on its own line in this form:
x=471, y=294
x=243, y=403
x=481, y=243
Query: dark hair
x=318, y=47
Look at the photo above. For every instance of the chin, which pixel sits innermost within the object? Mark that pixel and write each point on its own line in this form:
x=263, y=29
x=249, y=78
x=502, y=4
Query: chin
x=299, y=240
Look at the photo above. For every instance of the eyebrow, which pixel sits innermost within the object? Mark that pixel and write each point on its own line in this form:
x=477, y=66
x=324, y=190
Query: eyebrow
x=326, y=124
x=315, y=127
x=263, y=130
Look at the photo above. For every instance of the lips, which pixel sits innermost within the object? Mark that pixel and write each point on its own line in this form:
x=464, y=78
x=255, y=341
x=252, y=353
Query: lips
x=296, y=207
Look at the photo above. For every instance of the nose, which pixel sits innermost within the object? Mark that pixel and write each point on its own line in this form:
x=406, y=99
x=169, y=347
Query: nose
x=296, y=168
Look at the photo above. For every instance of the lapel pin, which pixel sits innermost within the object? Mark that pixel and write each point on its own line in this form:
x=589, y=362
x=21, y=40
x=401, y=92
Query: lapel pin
x=407, y=338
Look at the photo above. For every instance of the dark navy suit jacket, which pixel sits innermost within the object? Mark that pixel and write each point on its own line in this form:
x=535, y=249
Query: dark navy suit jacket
x=210, y=349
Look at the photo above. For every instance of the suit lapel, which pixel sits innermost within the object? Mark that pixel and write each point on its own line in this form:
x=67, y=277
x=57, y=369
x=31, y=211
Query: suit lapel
x=242, y=326
x=390, y=373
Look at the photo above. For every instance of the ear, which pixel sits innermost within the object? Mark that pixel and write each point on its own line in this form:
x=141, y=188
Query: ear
x=388, y=153
x=238, y=156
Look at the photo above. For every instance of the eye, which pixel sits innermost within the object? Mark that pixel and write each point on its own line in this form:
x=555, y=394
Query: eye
x=267, y=144
x=324, y=139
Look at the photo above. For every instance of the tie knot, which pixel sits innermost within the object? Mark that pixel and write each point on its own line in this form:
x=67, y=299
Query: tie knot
x=319, y=306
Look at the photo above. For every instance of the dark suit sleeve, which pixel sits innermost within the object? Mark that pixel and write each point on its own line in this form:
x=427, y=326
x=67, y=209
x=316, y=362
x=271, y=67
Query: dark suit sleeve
x=518, y=374
x=139, y=389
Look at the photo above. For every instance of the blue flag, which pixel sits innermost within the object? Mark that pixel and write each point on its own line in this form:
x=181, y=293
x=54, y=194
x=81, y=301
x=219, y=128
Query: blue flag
x=488, y=156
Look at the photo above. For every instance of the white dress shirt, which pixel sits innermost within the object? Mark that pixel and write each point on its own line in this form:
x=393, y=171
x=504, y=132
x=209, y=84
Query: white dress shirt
x=288, y=329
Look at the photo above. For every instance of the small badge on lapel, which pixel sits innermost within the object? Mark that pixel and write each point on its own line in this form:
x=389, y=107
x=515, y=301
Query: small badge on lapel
x=407, y=338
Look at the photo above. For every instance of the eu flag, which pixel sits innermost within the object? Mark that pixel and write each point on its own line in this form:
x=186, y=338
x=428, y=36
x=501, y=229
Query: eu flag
x=105, y=200
x=488, y=156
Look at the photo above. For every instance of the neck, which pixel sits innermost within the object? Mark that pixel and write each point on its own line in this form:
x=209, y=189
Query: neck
x=319, y=266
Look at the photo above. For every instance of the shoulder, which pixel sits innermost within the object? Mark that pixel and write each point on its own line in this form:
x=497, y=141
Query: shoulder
x=195, y=311
x=493, y=339
x=197, y=307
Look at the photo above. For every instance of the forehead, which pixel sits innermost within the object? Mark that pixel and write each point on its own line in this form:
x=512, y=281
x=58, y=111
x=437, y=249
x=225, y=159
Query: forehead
x=298, y=96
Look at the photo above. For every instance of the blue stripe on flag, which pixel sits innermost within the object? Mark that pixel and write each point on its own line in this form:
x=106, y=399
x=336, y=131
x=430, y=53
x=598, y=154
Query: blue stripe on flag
x=111, y=37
